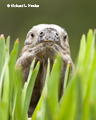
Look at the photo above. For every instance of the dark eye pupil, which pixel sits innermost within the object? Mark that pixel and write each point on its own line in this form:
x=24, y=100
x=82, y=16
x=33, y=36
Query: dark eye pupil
x=64, y=38
x=32, y=35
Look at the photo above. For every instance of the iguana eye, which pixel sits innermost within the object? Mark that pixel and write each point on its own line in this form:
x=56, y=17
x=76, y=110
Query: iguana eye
x=32, y=35
x=65, y=37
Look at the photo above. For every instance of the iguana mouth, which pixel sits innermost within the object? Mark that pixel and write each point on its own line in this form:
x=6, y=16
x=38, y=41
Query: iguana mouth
x=47, y=45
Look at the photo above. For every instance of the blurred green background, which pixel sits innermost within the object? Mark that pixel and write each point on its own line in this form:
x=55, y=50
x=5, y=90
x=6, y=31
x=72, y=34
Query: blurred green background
x=76, y=16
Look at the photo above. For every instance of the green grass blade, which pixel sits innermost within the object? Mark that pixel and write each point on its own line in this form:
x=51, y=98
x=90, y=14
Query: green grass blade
x=4, y=106
x=12, y=63
x=86, y=100
x=78, y=110
x=67, y=75
x=30, y=73
x=30, y=88
x=12, y=116
x=82, y=51
x=48, y=73
x=7, y=47
x=40, y=103
x=67, y=107
x=34, y=116
x=6, y=62
x=2, y=43
x=18, y=91
x=53, y=90
x=42, y=111
x=89, y=46
x=1, y=78
x=92, y=99
x=88, y=60
x=26, y=83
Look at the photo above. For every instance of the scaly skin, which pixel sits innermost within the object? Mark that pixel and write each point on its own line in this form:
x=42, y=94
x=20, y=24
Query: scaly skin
x=42, y=42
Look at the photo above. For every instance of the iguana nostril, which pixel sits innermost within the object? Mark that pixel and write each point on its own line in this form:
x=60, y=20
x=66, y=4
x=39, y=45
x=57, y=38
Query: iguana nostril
x=56, y=34
x=41, y=34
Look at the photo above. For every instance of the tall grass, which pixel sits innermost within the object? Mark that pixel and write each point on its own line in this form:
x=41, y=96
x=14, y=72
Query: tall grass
x=78, y=101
